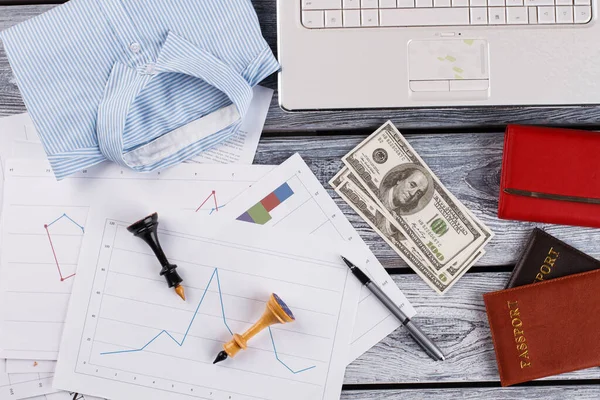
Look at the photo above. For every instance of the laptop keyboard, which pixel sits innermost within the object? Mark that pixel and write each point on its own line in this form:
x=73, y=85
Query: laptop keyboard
x=402, y=13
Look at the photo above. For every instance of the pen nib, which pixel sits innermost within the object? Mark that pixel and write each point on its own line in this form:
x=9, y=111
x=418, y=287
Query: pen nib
x=220, y=357
x=180, y=292
x=348, y=263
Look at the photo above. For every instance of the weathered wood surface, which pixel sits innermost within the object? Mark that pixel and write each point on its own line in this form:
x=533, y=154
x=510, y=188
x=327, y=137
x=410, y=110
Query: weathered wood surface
x=279, y=121
x=468, y=164
x=591, y=392
x=457, y=322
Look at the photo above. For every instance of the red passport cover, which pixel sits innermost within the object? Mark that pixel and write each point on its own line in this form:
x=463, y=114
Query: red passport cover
x=546, y=328
x=554, y=161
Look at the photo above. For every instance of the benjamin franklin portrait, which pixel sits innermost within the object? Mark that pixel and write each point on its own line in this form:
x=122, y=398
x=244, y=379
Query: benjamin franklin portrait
x=406, y=189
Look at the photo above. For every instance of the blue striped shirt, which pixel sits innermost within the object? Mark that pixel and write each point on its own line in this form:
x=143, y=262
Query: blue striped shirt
x=144, y=83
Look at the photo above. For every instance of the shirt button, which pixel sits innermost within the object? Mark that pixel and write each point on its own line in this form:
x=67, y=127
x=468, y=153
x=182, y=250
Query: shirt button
x=135, y=47
x=150, y=69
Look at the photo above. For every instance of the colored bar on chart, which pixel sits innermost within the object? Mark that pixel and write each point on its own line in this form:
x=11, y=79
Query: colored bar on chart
x=283, y=192
x=270, y=202
x=260, y=212
x=245, y=217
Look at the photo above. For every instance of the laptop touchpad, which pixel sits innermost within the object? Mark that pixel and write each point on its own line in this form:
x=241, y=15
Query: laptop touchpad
x=453, y=65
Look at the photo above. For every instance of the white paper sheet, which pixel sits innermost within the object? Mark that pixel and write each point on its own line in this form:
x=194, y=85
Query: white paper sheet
x=128, y=336
x=29, y=366
x=16, y=128
x=43, y=224
x=310, y=210
x=62, y=395
x=23, y=386
x=241, y=148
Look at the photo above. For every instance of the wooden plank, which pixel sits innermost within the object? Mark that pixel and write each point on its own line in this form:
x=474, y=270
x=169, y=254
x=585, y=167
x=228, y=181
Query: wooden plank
x=531, y=393
x=279, y=121
x=468, y=164
x=457, y=322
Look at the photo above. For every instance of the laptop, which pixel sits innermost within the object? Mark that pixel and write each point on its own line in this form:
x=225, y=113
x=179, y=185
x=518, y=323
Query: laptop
x=356, y=54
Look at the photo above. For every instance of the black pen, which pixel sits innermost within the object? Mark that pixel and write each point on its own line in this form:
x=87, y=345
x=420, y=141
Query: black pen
x=421, y=338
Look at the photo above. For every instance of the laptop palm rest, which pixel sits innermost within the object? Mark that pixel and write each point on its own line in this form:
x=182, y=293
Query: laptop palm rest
x=448, y=69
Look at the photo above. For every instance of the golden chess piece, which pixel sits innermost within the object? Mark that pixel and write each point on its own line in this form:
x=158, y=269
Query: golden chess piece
x=276, y=312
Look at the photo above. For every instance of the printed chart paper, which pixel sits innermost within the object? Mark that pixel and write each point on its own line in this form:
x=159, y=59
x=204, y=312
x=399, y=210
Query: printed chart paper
x=127, y=337
x=29, y=366
x=62, y=395
x=12, y=129
x=45, y=220
x=291, y=197
x=23, y=386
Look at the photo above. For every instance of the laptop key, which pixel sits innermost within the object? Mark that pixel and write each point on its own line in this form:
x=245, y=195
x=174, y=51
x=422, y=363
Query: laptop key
x=442, y=3
x=514, y=3
x=546, y=15
x=333, y=18
x=369, y=18
x=564, y=15
x=516, y=15
x=321, y=4
x=460, y=3
x=424, y=17
x=348, y=4
x=369, y=4
x=582, y=14
x=479, y=16
x=313, y=19
x=532, y=15
x=539, y=2
x=497, y=15
x=351, y=18
x=387, y=3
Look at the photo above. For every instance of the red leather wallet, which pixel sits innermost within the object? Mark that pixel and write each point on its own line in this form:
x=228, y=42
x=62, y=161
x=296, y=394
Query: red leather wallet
x=550, y=175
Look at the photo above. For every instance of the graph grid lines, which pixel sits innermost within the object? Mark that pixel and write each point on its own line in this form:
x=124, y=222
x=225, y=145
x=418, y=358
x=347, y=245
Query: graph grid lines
x=214, y=274
x=47, y=228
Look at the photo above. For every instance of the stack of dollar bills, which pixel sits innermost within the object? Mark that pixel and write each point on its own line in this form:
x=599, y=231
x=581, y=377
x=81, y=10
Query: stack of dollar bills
x=386, y=182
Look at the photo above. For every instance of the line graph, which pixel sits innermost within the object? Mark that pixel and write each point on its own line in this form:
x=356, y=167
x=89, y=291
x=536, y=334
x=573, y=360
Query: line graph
x=47, y=228
x=214, y=274
x=216, y=207
x=34, y=199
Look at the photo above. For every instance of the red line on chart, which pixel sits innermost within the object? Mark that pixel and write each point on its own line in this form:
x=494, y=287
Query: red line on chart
x=213, y=194
x=62, y=279
x=46, y=226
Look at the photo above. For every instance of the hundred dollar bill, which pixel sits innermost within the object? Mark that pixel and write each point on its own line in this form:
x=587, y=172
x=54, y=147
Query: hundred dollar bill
x=348, y=187
x=338, y=178
x=372, y=216
x=409, y=193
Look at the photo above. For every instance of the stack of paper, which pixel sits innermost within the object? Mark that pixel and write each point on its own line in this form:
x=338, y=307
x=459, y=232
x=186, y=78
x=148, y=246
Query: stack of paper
x=127, y=335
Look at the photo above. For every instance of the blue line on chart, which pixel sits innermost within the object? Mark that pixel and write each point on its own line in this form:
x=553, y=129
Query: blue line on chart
x=278, y=359
x=215, y=273
x=67, y=217
x=212, y=210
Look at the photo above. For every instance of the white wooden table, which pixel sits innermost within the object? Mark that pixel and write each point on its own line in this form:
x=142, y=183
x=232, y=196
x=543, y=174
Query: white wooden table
x=463, y=146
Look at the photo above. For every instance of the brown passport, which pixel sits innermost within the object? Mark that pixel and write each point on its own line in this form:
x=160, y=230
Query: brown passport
x=546, y=328
x=545, y=257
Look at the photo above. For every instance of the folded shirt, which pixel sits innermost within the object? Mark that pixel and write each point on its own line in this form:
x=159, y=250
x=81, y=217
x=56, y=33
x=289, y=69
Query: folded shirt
x=124, y=79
